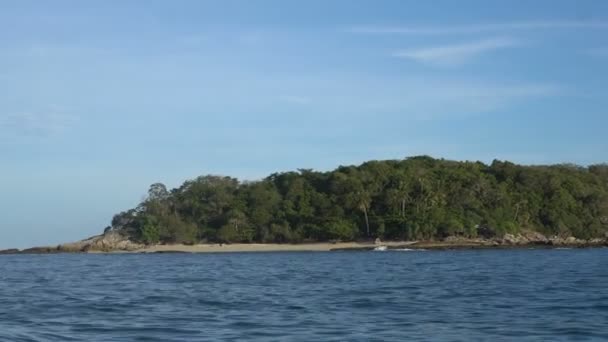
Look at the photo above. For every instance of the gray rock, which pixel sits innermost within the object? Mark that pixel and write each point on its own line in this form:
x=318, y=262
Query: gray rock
x=9, y=251
x=452, y=238
x=535, y=237
x=111, y=240
x=39, y=250
x=510, y=239
x=571, y=240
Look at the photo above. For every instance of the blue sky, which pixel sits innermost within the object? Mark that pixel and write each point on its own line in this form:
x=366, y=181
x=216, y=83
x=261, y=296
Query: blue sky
x=99, y=99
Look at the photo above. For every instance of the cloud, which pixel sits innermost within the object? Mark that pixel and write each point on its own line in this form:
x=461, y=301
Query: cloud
x=28, y=125
x=449, y=55
x=440, y=98
x=482, y=28
x=335, y=97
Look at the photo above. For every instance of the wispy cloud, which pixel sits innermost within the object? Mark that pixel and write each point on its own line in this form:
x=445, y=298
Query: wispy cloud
x=431, y=99
x=417, y=97
x=455, y=54
x=28, y=125
x=482, y=28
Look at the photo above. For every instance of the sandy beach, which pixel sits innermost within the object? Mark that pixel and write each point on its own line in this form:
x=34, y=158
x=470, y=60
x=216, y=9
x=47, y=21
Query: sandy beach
x=270, y=247
x=99, y=244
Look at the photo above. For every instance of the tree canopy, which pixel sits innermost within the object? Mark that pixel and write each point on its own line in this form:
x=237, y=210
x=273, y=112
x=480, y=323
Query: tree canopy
x=415, y=198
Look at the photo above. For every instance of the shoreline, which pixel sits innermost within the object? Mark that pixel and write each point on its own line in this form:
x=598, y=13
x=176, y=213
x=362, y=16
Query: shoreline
x=270, y=247
x=460, y=244
x=348, y=246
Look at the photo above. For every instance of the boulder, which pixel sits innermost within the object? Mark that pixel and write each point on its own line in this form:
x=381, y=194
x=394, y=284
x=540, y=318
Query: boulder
x=452, y=239
x=111, y=240
x=568, y=241
x=556, y=241
x=534, y=237
x=596, y=241
x=571, y=240
x=511, y=239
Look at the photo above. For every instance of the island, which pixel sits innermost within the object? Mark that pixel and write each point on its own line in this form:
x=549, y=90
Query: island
x=417, y=202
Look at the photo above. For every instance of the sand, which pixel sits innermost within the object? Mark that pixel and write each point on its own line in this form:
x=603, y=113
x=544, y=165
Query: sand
x=263, y=247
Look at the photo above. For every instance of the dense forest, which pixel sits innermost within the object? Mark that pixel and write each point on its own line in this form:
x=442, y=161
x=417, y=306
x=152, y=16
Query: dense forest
x=415, y=198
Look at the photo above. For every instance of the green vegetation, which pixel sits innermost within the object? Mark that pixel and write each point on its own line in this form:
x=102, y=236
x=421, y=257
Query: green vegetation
x=415, y=198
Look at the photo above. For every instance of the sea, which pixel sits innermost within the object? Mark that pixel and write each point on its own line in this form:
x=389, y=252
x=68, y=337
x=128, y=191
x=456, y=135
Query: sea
x=405, y=295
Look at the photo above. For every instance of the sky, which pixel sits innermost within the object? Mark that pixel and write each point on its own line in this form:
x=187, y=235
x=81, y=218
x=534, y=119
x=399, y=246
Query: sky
x=100, y=99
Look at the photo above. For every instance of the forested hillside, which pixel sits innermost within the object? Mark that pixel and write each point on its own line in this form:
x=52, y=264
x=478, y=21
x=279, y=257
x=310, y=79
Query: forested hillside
x=415, y=198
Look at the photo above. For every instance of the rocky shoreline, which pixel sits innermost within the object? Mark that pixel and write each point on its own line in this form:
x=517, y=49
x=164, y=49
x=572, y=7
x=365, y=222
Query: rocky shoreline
x=115, y=242
x=108, y=242
x=509, y=241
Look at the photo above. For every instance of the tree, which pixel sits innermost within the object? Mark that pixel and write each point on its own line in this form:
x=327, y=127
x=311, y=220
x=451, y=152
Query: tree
x=414, y=198
x=157, y=192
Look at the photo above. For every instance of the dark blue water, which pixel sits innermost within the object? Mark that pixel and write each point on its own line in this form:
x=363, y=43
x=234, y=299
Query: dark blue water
x=487, y=295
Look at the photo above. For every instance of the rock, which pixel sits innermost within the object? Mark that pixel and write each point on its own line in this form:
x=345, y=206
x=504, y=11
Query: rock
x=377, y=241
x=69, y=248
x=571, y=240
x=511, y=239
x=9, y=251
x=525, y=238
x=535, y=237
x=556, y=241
x=111, y=240
x=39, y=250
x=451, y=238
x=596, y=241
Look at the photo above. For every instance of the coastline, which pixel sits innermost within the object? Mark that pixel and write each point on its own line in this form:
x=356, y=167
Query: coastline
x=352, y=246
x=447, y=244
x=269, y=247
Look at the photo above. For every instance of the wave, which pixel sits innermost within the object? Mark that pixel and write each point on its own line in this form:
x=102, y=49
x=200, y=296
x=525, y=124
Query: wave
x=385, y=248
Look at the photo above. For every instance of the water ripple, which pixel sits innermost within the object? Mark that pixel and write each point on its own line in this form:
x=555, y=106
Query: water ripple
x=496, y=295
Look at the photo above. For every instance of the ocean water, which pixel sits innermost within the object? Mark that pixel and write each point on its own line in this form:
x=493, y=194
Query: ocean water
x=484, y=295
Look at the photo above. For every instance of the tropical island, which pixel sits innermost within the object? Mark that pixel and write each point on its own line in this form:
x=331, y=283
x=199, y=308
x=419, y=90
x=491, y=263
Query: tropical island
x=417, y=202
